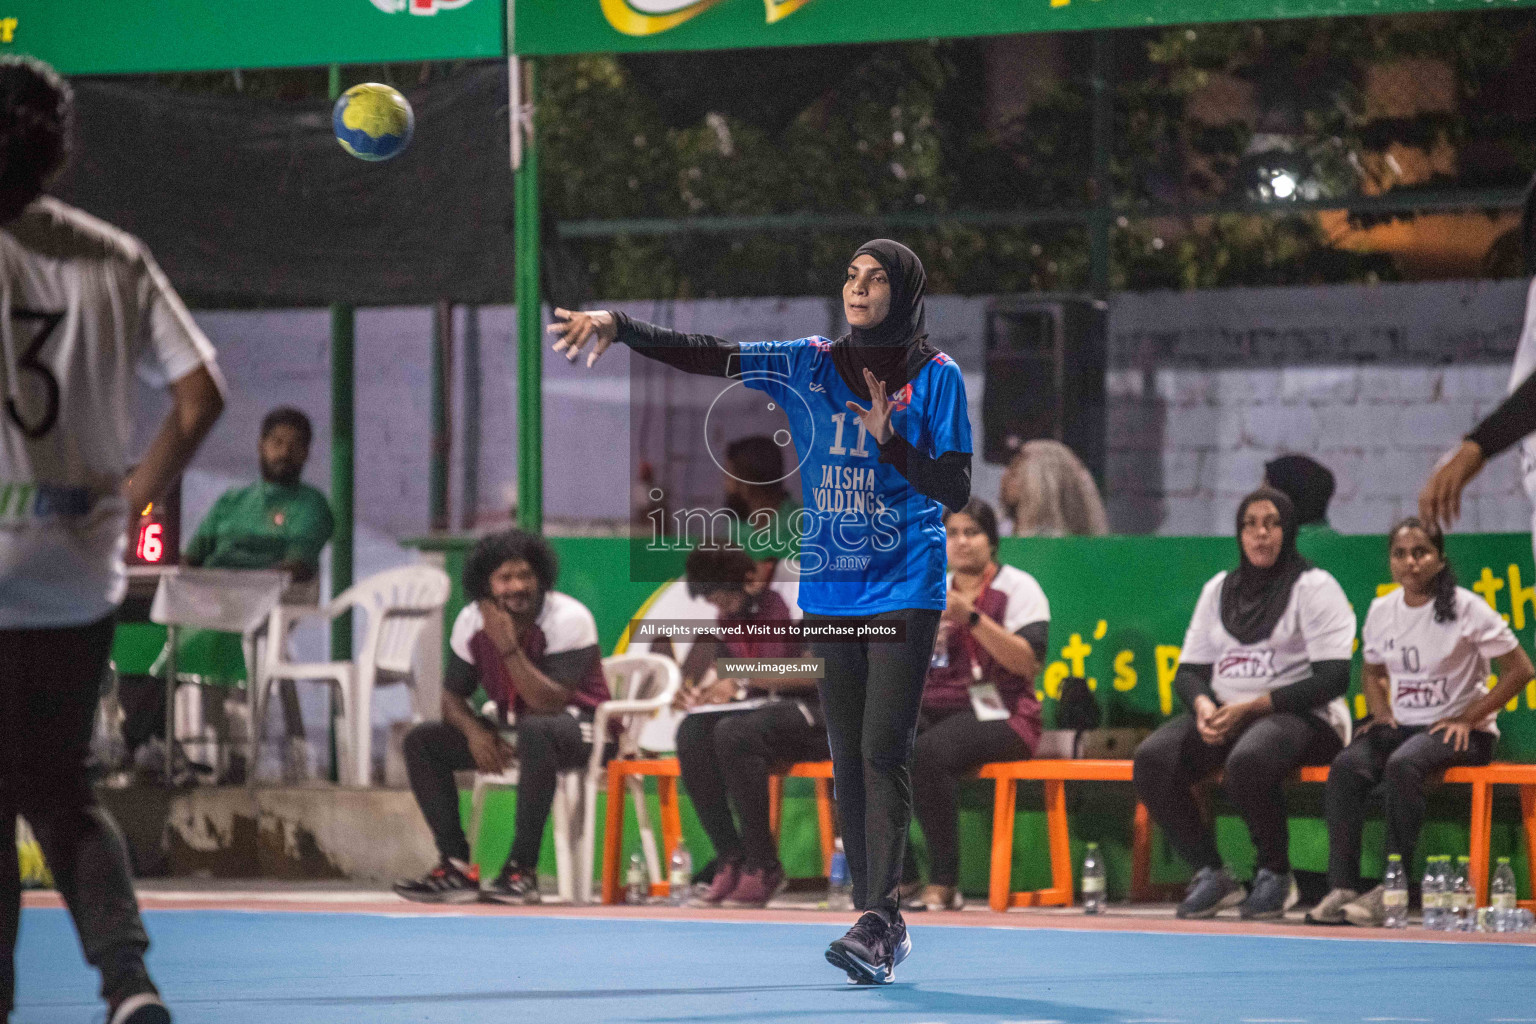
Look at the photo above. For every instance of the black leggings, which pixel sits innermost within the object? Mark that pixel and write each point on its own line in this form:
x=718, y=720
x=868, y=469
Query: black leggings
x=870, y=696
x=546, y=746
x=948, y=749
x=50, y=681
x=1255, y=766
x=726, y=757
x=1406, y=761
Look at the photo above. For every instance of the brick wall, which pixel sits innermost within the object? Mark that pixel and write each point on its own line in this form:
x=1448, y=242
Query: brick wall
x=1375, y=383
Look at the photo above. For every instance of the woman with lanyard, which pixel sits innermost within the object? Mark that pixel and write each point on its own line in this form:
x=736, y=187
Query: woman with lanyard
x=1263, y=671
x=872, y=539
x=1428, y=647
x=979, y=705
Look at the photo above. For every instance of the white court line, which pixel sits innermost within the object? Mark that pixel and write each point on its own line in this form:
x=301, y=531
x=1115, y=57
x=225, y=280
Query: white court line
x=1274, y=1020
x=1420, y=1020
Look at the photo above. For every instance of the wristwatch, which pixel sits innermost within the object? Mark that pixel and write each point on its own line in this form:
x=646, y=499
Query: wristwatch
x=975, y=618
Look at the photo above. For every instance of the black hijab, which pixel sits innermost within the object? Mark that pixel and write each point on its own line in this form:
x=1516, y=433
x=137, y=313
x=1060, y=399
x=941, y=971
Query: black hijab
x=1307, y=482
x=1253, y=599
x=896, y=348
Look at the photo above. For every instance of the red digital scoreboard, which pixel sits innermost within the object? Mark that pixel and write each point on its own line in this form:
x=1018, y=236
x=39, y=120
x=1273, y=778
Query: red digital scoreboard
x=154, y=535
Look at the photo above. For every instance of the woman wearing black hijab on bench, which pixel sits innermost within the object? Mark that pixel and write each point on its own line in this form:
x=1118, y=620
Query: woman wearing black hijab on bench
x=872, y=539
x=1263, y=672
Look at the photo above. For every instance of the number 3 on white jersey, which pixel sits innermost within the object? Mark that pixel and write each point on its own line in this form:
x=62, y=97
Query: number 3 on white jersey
x=841, y=419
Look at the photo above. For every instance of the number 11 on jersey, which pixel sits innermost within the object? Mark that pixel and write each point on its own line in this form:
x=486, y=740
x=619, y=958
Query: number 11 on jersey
x=841, y=419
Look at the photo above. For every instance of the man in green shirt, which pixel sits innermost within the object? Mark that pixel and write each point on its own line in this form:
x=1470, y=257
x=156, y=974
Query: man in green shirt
x=278, y=522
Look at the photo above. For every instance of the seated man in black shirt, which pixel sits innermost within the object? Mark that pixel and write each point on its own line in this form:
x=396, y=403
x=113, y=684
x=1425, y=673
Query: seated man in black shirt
x=534, y=651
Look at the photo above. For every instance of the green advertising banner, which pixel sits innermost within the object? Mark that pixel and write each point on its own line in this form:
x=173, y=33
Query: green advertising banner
x=585, y=26
x=97, y=37
x=1120, y=605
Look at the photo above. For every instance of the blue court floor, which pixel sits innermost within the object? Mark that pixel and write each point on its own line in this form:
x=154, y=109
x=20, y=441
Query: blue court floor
x=238, y=967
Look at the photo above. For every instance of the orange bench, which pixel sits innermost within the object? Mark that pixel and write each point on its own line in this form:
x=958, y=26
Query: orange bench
x=1053, y=774
x=666, y=772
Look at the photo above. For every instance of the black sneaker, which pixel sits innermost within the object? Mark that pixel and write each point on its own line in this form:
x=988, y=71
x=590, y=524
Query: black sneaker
x=446, y=883
x=514, y=886
x=1210, y=891
x=868, y=953
x=140, y=1008
x=1272, y=895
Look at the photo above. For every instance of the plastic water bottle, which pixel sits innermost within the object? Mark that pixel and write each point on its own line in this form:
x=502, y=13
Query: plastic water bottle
x=1502, y=898
x=1463, y=902
x=636, y=892
x=1093, y=880
x=679, y=874
x=1433, y=894
x=1394, y=897
x=840, y=886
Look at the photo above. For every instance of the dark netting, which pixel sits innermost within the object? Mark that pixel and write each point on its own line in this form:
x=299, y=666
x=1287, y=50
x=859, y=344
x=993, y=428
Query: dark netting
x=252, y=202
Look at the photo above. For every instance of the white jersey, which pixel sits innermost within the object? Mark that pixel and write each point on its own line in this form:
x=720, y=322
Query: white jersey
x=567, y=624
x=1027, y=603
x=81, y=305
x=1437, y=669
x=1317, y=625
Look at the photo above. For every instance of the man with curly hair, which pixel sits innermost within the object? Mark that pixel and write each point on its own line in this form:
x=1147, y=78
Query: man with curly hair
x=534, y=652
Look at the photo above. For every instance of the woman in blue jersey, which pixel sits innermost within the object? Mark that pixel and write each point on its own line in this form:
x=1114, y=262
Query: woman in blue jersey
x=879, y=421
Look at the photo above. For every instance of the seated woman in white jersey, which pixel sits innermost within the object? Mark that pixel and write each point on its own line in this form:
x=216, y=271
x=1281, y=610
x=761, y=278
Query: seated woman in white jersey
x=979, y=702
x=1428, y=646
x=1263, y=672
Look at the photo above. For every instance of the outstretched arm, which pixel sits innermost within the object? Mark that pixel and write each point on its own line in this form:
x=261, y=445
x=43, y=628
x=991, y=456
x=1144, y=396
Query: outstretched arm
x=703, y=354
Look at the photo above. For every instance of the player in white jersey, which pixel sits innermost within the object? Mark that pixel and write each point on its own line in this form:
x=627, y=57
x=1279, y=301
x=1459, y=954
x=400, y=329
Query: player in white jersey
x=82, y=305
x=1427, y=646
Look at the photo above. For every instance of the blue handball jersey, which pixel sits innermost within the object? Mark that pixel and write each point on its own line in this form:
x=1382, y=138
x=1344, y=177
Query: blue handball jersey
x=869, y=543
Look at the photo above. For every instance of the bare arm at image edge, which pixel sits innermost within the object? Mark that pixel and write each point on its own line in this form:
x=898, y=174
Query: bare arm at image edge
x=197, y=400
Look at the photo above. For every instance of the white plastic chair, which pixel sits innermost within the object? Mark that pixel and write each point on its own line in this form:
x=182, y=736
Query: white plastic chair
x=641, y=685
x=398, y=603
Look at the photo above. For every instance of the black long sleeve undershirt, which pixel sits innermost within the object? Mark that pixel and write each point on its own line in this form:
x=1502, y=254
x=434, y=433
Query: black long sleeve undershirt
x=1329, y=679
x=1513, y=419
x=1193, y=681
x=703, y=354
x=946, y=479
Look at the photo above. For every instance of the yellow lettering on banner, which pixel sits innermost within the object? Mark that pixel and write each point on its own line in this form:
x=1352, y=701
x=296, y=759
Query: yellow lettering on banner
x=8, y=30
x=1055, y=672
x=1167, y=657
x=1076, y=652
x=1100, y=630
x=1489, y=585
x=1530, y=695
x=1383, y=589
x=1360, y=706
x=1060, y=3
x=1519, y=597
x=1125, y=673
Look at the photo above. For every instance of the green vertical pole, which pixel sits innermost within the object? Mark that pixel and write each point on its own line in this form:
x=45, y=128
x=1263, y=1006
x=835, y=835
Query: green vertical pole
x=1101, y=212
x=442, y=413
x=530, y=327
x=343, y=385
